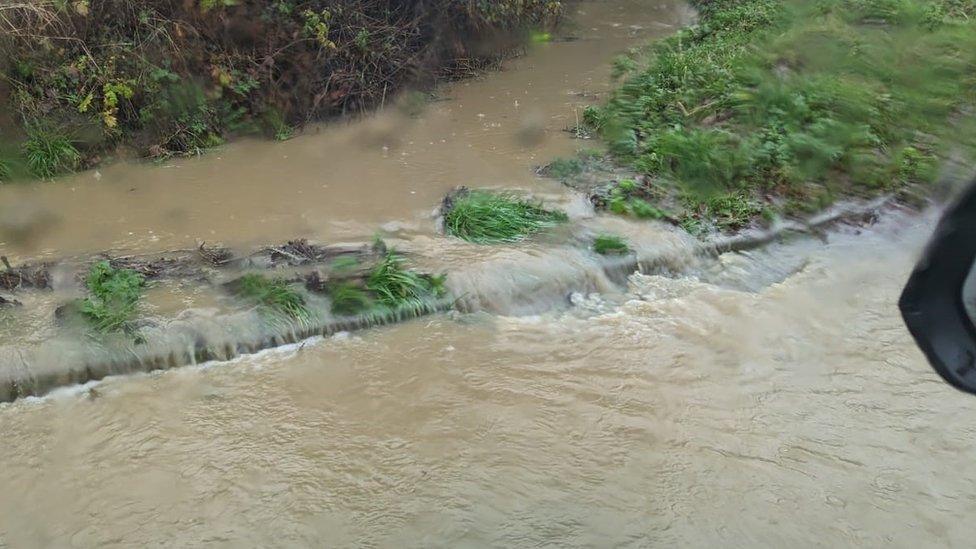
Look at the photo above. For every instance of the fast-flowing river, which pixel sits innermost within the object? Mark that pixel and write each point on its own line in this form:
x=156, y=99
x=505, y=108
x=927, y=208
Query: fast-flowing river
x=763, y=399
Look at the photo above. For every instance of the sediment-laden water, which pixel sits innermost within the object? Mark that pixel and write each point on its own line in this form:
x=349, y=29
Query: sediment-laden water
x=768, y=398
x=690, y=410
x=346, y=180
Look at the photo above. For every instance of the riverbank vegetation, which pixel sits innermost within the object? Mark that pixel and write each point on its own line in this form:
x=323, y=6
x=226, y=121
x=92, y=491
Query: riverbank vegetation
x=272, y=296
x=376, y=286
x=486, y=217
x=285, y=283
x=395, y=287
x=780, y=107
x=113, y=297
x=81, y=79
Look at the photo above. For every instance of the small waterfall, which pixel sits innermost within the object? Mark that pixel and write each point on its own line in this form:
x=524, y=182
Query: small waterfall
x=63, y=361
x=521, y=279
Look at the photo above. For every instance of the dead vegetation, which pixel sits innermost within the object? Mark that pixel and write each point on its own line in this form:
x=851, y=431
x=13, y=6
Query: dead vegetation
x=35, y=276
x=195, y=263
x=355, y=278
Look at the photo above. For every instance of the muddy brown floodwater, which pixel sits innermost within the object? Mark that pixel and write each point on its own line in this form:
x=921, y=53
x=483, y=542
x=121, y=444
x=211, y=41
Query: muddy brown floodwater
x=345, y=180
x=764, y=399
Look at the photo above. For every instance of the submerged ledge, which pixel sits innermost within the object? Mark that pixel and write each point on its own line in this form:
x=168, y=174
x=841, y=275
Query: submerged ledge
x=63, y=362
x=60, y=363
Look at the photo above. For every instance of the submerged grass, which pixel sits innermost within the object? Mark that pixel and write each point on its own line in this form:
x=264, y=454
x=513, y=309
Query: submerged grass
x=486, y=217
x=788, y=101
x=562, y=168
x=610, y=244
x=113, y=296
x=396, y=287
x=386, y=287
x=381, y=287
x=349, y=299
x=272, y=295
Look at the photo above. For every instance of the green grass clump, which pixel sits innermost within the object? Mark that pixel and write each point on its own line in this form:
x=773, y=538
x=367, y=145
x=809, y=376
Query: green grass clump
x=564, y=168
x=396, y=287
x=643, y=209
x=349, y=299
x=5, y=170
x=114, y=296
x=485, y=217
x=733, y=210
x=610, y=244
x=388, y=286
x=627, y=197
x=50, y=153
x=774, y=99
x=728, y=212
x=272, y=295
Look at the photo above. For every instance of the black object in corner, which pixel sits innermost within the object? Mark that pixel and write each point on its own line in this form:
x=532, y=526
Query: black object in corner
x=932, y=302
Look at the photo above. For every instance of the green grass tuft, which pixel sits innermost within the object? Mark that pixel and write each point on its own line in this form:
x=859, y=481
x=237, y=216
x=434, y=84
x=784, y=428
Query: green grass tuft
x=396, y=287
x=484, y=217
x=610, y=244
x=388, y=287
x=732, y=211
x=49, y=153
x=114, y=296
x=624, y=198
x=349, y=299
x=271, y=295
x=5, y=170
x=642, y=209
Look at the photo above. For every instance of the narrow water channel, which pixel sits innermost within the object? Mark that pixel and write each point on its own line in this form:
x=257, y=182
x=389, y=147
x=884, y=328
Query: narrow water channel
x=345, y=180
x=764, y=399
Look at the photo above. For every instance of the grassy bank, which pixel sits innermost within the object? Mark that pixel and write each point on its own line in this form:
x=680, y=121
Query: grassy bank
x=780, y=107
x=82, y=78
